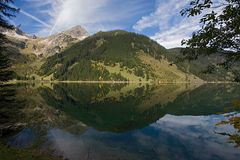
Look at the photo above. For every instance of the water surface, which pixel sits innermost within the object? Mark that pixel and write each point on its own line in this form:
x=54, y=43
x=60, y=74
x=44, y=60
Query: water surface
x=122, y=121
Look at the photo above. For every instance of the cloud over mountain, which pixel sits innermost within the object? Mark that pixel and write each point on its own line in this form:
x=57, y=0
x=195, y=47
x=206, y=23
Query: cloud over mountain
x=94, y=15
x=159, y=19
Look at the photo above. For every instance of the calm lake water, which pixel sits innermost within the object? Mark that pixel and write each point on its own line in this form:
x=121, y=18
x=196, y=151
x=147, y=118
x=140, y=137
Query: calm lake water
x=119, y=121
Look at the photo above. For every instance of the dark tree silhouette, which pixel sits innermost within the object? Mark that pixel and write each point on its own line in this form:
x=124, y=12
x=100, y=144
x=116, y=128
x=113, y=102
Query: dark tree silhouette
x=220, y=32
x=6, y=12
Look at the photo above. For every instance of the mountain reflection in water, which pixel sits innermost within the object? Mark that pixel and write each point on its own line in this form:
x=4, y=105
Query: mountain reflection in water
x=128, y=121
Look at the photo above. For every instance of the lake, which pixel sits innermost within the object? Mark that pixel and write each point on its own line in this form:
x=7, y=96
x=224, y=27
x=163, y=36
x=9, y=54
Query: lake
x=120, y=121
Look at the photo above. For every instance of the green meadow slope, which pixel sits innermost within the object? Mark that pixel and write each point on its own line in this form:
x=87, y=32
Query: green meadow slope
x=116, y=55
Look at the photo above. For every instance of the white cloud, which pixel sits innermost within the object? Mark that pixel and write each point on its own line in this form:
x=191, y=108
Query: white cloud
x=172, y=27
x=94, y=15
x=173, y=36
x=166, y=10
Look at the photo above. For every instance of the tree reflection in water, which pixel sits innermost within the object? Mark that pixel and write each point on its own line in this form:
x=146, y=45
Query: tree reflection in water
x=10, y=111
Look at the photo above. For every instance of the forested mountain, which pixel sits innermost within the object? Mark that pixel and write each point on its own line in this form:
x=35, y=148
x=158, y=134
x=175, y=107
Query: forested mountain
x=28, y=53
x=105, y=56
x=116, y=55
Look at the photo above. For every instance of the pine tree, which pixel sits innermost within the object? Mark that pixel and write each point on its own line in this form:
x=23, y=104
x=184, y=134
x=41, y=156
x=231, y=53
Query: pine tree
x=6, y=12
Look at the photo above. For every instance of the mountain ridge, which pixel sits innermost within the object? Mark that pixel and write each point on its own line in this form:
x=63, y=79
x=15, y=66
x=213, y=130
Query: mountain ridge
x=50, y=45
x=114, y=55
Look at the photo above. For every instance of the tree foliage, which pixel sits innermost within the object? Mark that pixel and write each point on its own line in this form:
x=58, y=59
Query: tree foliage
x=6, y=12
x=220, y=31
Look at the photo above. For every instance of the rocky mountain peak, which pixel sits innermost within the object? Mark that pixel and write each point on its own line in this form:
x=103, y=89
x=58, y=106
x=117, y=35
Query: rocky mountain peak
x=76, y=32
x=58, y=42
x=48, y=46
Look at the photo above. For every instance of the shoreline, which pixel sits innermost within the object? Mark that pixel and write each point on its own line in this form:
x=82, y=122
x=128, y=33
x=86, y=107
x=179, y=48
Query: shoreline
x=118, y=82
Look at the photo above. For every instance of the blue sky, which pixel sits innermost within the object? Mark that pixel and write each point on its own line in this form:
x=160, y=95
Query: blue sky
x=158, y=19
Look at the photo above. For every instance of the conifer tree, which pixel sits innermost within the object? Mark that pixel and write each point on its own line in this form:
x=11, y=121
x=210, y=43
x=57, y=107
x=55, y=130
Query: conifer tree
x=6, y=11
